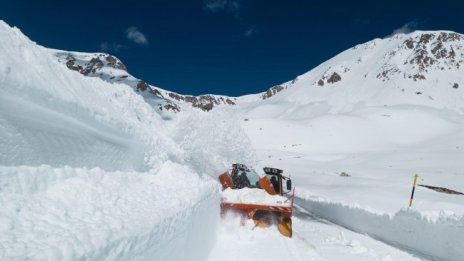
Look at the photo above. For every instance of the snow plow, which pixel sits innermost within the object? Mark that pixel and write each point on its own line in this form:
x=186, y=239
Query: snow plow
x=263, y=199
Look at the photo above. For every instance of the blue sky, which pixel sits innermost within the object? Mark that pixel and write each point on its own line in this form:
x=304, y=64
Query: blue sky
x=230, y=47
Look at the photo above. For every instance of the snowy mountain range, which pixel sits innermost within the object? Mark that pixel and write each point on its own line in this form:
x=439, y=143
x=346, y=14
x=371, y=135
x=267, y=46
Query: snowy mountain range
x=424, y=67
x=111, y=69
x=97, y=164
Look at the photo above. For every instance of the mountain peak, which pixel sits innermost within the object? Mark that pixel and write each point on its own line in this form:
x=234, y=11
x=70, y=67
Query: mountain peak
x=422, y=67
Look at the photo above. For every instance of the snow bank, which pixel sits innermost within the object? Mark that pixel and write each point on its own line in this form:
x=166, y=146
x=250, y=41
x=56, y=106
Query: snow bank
x=59, y=117
x=406, y=229
x=74, y=213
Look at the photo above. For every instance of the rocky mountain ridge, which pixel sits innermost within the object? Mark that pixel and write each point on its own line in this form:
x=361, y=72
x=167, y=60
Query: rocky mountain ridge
x=421, y=68
x=111, y=69
x=416, y=55
x=413, y=58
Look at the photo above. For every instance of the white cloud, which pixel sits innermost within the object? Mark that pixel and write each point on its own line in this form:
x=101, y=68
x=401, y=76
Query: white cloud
x=215, y=6
x=133, y=34
x=405, y=29
x=249, y=32
x=110, y=47
x=104, y=47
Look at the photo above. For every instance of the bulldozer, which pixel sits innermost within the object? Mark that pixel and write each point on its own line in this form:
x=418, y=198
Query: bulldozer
x=262, y=198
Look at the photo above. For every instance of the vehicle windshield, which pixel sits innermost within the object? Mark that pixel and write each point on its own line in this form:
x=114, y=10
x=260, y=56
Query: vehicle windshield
x=245, y=178
x=274, y=179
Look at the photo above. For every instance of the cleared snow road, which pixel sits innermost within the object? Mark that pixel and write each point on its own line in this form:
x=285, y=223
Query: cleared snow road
x=313, y=239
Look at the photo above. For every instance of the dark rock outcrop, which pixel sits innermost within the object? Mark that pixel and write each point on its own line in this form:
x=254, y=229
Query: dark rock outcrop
x=423, y=53
x=203, y=102
x=431, y=49
x=142, y=86
x=91, y=65
x=335, y=77
x=272, y=91
x=115, y=63
x=95, y=63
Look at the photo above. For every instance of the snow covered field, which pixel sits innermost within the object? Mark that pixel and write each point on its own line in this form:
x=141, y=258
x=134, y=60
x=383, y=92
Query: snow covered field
x=90, y=170
x=380, y=148
x=372, y=200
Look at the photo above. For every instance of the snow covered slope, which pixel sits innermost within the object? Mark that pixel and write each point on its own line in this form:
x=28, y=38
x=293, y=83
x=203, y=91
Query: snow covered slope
x=423, y=68
x=353, y=131
x=53, y=116
x=111, y=69
x=90, y=171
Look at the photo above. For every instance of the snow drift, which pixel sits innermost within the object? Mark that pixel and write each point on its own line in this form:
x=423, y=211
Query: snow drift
x=73, y=213
x=406, y=229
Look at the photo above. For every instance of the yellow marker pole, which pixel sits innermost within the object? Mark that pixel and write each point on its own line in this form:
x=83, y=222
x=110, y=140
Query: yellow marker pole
x=413, y=188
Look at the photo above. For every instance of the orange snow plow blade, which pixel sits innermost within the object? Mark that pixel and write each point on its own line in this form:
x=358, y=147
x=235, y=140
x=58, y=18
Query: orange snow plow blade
x=250, y=208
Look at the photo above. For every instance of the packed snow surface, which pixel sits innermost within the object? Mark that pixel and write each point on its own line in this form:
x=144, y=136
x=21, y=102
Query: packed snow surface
x=313, y=239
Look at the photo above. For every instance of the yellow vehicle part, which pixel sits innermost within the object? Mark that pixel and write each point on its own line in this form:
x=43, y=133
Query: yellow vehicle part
x=285, y=227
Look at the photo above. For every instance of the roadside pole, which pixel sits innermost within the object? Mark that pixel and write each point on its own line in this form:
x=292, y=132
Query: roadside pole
x=413, y=189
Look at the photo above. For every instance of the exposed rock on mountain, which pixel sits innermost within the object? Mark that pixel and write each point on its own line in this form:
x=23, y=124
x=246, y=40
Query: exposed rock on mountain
x=423, y=67
x=272, y=91
x=422, y=53
x=111, y=69
x=431, y=59
x=334, y=78
x=203, y=102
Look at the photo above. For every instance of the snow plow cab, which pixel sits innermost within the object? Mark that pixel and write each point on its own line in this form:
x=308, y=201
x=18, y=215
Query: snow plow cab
x=263, y=199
